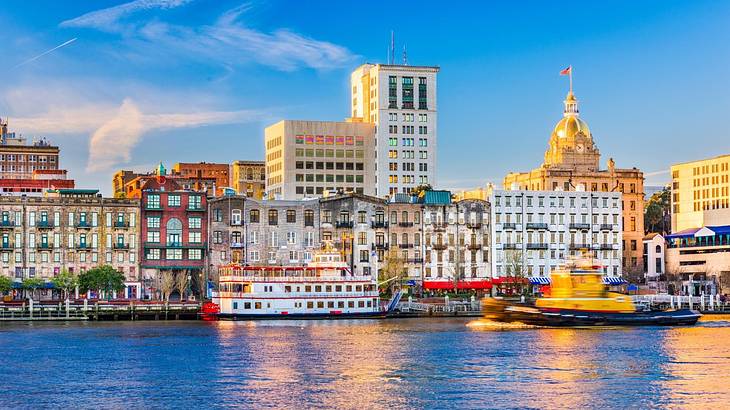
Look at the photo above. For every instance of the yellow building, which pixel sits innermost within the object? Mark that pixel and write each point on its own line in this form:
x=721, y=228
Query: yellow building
x=700, y=194
x=572, y=163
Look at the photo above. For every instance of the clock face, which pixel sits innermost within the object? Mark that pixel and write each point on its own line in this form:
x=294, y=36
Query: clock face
x=579, y=147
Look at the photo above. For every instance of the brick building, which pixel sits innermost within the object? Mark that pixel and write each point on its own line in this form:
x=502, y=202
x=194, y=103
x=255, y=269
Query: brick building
x=173, y=231
x=128, y=184
x=204, y=170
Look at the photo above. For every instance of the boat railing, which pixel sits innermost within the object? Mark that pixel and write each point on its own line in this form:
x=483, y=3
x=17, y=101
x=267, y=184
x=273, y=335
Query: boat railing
x=303, y=295
x=294, y=278
x=703, y=303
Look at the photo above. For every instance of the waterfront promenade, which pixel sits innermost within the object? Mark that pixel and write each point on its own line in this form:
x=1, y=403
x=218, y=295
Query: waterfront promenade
x=395, y=364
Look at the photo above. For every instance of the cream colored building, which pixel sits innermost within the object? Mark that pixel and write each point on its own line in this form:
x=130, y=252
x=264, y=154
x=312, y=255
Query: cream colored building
x=572, y=163
x=400, y=100
x=309, y=158
x=700, y=193
x=249, y=178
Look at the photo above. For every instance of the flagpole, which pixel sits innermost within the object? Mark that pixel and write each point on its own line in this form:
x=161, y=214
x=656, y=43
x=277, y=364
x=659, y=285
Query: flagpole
x=570, y=75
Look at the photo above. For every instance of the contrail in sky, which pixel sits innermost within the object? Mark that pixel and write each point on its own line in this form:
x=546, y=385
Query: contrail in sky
x=46, y=52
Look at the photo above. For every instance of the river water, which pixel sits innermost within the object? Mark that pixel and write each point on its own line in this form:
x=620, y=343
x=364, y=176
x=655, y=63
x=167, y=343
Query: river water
x=400, y=363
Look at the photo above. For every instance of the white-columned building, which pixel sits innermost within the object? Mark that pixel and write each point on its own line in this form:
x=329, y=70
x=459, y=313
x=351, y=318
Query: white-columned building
x=400, y=100
x=535, y=231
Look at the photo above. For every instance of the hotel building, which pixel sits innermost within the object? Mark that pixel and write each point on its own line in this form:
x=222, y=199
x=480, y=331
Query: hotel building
x=572, y=164
x=69, y=229
x=535, y=231
x=400, y=101
x=305, y=159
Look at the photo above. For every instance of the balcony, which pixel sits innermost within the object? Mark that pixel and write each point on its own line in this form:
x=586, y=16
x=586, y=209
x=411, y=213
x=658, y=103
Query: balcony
x=582, y=227
x=439, y=227
x=513, y=246
x=405, y=245
x=121, y=224
x=44, y=245
x=537, y=225
x=509, y=225
x=474, y=246
x=194, y=209
x=606, y=227
x=474, y=225
x=379, y=246
x=6, y=245
x=83, y=225
x=44, y=225
x=606, y=247
x=120, y=246
x=405, y=224
x=576, y=246
x=175, y=245
x=539, y=246
x=439, y=246
x=83, y=246
x=344, y=224
x=153, y=207
x=379, y=225
x=237, y=245
x=7, y=224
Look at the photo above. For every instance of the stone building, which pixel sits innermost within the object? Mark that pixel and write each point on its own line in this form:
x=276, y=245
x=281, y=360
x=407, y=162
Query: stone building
x=357, y=225
x=249, y=178
x=456, y=243
x=73, y=229
x=572, y=163
x=19, y=159
x=173, y=231
x=405, y=235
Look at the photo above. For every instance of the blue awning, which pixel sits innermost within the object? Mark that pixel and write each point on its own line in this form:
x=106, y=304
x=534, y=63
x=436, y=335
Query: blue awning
x=720, y=230
x=612, y=280
x=539, y=280
x=45, y=285
x=687, y=233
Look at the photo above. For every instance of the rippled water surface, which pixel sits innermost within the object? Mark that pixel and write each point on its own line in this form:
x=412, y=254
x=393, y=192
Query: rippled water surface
x=407, y=363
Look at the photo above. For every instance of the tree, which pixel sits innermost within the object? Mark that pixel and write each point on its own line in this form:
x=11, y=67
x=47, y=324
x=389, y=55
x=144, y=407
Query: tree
x=167, y=285
x=516, y=268
x=6, y=285
x=33, y=284
x=65, y=282
x=657, y=212
x=104, y=279
x=182, y=280
x=421, y=188
x=391, y=271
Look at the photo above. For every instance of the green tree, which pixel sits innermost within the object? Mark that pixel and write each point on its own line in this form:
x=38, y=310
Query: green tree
x=32, y=285
x=421, y=188
x=104, y=279
x=6, y=285
x=657, y=212
x=65, y=282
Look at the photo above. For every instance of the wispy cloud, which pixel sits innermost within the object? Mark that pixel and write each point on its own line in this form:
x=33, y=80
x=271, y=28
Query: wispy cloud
x=109, y=19
x=227, y=41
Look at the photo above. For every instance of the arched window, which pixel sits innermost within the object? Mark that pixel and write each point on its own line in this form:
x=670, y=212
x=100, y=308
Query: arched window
x=404, y=216
x=404, y=238
x=658, y=249
x=174, y=232
x=249, y=173
x=394, y=217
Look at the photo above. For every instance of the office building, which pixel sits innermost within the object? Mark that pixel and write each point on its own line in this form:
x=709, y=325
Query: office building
x=701, y=193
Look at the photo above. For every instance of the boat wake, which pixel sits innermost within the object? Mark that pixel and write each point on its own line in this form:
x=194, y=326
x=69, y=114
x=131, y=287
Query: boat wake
x=486, y=324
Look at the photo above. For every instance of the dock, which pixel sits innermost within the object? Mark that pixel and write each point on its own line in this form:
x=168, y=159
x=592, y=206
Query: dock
x=97, y=310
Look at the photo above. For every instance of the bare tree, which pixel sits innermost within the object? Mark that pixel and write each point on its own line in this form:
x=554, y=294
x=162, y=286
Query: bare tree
x=167, y=285
x=182, y=280
x=516, y=268
x=391, y=270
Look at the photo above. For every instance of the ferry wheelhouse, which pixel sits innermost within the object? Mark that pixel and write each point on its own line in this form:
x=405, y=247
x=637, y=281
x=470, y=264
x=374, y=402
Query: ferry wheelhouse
x=325, y=288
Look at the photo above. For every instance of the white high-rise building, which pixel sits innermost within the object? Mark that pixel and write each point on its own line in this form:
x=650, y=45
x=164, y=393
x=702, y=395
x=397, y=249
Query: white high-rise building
x=400, y=100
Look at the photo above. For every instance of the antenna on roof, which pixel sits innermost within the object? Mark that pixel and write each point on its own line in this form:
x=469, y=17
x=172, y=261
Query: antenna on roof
x=392, y=47
x=405, y=55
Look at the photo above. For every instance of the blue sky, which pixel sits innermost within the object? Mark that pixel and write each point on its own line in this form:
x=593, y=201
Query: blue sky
x=194, y=80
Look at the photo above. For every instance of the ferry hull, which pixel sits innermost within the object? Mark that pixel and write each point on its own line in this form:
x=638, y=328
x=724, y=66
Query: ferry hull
x=297, y=316
x=504, y=312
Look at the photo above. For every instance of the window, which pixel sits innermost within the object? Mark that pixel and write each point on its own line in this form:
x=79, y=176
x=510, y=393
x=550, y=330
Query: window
x=194, y=202
x=152, y=254
x=291, y=216
x=153, y=222
x=195, y=254
x=173, y=254
x=217, y=215
x=273, y=217
x=195, y=222
x=308, y=217
x=236, y=217
x=153, y=201
x=254, y=216
x=174, y=232
x=173, y=200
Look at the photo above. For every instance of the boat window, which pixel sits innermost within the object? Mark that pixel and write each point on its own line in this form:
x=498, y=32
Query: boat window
x=310, y=305
x=235, y=305
x=358, y=288
x=329, y=288
x=351, y=304
x=247, y=305
x=307, y=288
x=370, y=303
x=318, y=288
x=340, y=304
x=338, y=288
x=361, y=303
x=320, y=305
x=257, y=305
x=287, y=288
x=331, y=305
x=349, y=288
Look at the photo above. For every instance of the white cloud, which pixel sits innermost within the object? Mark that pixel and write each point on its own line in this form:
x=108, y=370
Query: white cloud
x=109, y=19
x=227, y=41
x=112, y=143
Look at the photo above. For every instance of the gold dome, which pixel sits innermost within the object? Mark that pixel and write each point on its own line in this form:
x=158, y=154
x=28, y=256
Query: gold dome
x=571, y=125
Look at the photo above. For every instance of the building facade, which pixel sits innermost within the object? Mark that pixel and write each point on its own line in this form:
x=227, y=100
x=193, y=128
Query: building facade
x=128, y=184
x=400, y=101
x=701, y=193
x=74, y=230
x=305, y=159
x=205, y=170
x=535, y=231
x=572, y=164
x=174, y=229
x=18, y=159
x=654, y=262
x=249, y=178
x=699, y=258
x=38, y=184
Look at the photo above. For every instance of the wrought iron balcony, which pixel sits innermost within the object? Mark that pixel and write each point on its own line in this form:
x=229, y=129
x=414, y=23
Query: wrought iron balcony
x=606, y=227
x=120, y=246
x=537, y=246
x=405, y=224
x=378, y=224
x=83, y=225
x=575, y=246
x=580, y=226
x=509, y=225
x=405, y=245
x=513, y=246
x=44, y=245
x=237, y=245
x=344, y=224
x=121, y=224
x=44, y=224
x=474, y=225
x=537, y=225
x=7, y=224
x=439, y=246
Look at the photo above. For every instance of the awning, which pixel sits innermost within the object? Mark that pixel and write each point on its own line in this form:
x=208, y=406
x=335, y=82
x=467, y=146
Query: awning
x=463, y=284
x=687, y=233
x=613, y=280
x=539, y=280
x=45, y=285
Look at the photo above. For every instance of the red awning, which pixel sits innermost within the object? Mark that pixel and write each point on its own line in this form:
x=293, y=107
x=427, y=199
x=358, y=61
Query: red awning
x=509, y=279
x=465, y=284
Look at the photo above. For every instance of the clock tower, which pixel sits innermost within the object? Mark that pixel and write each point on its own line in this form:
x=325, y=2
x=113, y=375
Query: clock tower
x=571, y=143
